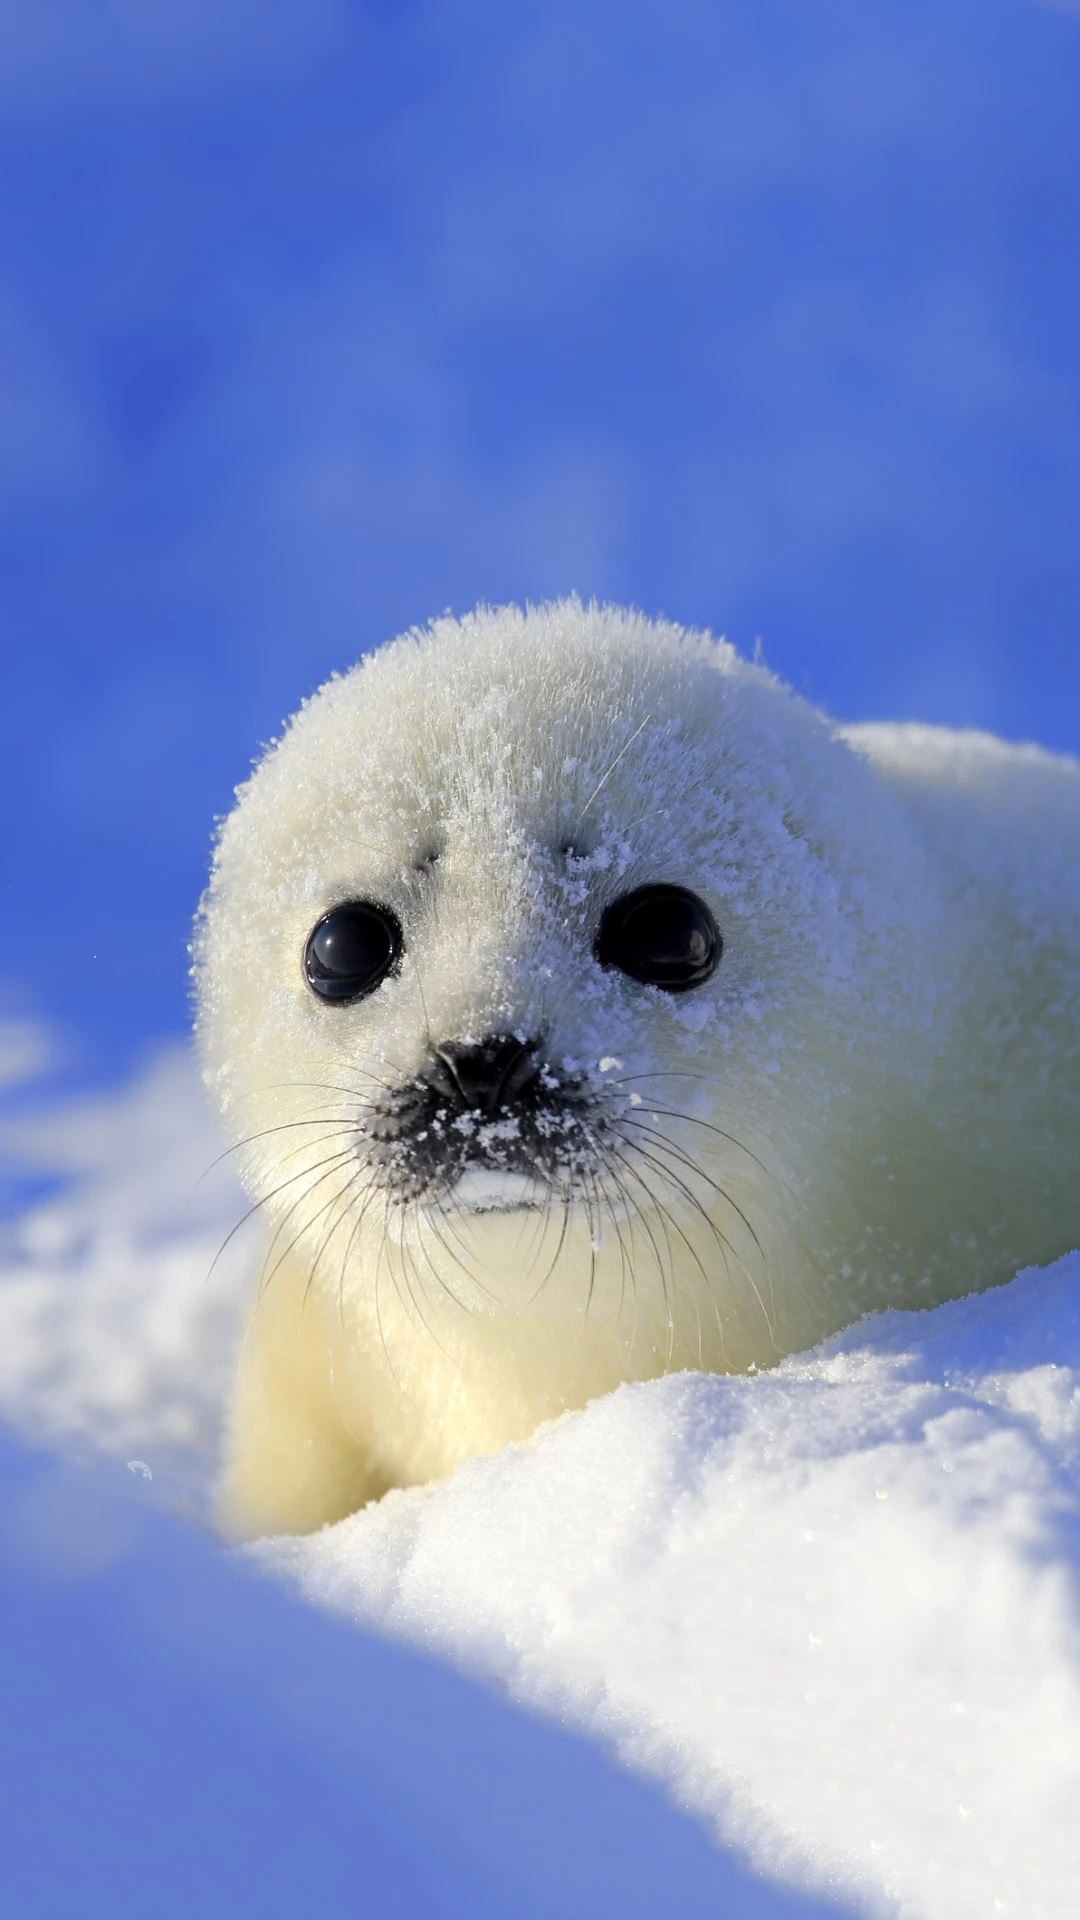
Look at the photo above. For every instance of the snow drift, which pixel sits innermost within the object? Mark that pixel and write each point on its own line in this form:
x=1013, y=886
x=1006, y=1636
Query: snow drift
x=833, y=1608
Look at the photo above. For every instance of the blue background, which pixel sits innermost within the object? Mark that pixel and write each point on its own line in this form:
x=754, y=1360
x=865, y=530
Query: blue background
x=321, y=317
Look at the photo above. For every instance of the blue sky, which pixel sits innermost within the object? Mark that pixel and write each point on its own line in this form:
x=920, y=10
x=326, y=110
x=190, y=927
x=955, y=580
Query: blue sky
x=321, y=318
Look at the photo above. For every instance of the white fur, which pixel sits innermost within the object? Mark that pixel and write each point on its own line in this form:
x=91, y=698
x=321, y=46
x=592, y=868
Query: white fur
x=874, y=1101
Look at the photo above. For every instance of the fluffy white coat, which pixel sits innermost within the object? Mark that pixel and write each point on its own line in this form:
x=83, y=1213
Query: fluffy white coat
x=874, y=1100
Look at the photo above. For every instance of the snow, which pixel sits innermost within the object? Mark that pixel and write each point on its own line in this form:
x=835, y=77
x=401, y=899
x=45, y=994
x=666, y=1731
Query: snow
x=179, y=1738
x=120, y=1307
x=832, y=1608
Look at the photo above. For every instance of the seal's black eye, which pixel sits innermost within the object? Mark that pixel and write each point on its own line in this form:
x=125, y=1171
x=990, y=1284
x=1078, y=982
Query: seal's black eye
x=352, y=950
x=664, y=936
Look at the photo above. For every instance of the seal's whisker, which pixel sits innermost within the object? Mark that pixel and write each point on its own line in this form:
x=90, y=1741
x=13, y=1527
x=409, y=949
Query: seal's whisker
x=691, y=1120
x=698, y=1262
x=662, y=1139
x=540, y=1224
x=256, y=1207
x=445, y=1220
x=659, y=1073
x=355, y=1230
x=614, y=1154
x=384, y=1344
x=346, y=1195
x=590, y=1223
x=435, y=1223
x=662, y=1214
x=721, y=1238
x=625, y=1271
x=304, y=1228
x=563, y=1230
x=650, y=1156
x=409, y=1267
x=263, y=1281
x=325, y=1169
x=264, y=1133
x=454, y=1360
x=318, y=1086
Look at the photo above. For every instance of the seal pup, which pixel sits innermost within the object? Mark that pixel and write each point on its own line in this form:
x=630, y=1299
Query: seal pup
x=584, y=1005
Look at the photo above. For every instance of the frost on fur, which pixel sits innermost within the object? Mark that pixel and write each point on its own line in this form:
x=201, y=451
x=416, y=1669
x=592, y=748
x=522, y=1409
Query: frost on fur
x=872, y=1101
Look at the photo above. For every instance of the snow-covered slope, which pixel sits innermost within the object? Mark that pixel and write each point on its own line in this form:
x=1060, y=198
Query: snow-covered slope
x=121, y=1297
x=180, y=1739
x=833, y=1608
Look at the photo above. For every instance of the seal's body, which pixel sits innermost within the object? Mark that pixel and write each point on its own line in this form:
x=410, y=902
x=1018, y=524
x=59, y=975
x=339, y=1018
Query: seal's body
x=587, y=1006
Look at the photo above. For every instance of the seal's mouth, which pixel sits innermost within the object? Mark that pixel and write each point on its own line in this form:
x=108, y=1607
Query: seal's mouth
x=495, y=1190
x=486, y=1127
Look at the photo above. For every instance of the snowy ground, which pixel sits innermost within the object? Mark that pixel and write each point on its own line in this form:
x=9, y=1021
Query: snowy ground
x=832, y=1608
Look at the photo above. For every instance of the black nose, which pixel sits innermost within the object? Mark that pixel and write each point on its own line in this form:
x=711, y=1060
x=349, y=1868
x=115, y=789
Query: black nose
x=483, y=1075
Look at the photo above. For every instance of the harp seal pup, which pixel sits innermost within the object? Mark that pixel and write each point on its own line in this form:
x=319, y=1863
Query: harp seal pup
x=584, y=1005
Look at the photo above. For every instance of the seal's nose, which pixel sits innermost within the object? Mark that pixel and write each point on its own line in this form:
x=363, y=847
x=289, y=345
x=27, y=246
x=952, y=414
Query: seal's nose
x=483, y=1075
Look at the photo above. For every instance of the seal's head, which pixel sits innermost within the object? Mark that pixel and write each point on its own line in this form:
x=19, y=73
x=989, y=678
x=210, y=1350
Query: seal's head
x=551, y=970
